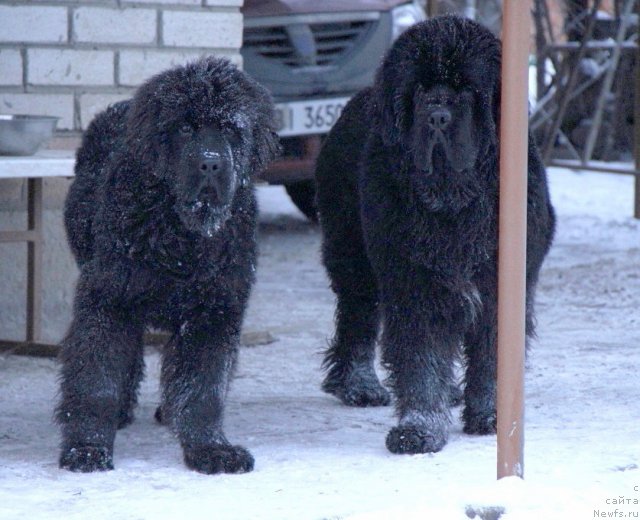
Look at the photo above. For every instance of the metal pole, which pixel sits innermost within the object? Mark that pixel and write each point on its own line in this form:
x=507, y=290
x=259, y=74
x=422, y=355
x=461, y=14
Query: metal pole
x=512, y=247
x=636, y=127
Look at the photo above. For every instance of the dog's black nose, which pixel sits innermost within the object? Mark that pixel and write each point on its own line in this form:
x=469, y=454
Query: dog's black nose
x=439, y=119
x=211, y=164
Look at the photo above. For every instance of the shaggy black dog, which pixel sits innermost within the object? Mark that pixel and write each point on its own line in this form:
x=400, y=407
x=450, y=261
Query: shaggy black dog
x=408, y=198
x=161, y=218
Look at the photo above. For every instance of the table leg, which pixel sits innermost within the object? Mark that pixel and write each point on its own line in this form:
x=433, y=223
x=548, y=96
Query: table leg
x=34, y=260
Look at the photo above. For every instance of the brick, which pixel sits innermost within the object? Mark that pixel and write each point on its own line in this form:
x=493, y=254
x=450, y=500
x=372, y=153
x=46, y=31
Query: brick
x=42, y=24
x=60, y=105
x=10, y=67
x=223, y=3
x=91, y=104
x=69, y=67
x=164, y=2
x=105, y=25
x=202, y=29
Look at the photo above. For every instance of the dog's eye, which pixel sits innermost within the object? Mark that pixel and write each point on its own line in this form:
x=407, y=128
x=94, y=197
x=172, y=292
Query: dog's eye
x=235, y=134
x=186, y=129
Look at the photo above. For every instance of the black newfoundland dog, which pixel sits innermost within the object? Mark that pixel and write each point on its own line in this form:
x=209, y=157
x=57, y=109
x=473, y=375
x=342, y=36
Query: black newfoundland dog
x=408, y=198
x=161, y=218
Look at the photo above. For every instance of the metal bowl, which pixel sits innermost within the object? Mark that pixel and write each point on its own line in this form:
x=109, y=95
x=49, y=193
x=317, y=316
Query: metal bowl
x=24, y=134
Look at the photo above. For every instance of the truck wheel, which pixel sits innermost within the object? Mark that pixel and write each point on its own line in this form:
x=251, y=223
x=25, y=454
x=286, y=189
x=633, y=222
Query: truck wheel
x=303, y=195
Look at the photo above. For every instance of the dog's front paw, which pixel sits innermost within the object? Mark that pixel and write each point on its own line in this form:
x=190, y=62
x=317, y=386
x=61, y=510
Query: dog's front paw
x=218, y=458
x=411, y=439
x=86, y=459
x=479, y=423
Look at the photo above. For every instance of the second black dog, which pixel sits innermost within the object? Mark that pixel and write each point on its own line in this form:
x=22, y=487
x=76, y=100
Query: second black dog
x=408, y=199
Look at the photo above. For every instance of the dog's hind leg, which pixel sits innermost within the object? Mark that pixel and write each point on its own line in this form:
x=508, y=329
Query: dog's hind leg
x=196, y=370
x=349, y=360
x=103, y=343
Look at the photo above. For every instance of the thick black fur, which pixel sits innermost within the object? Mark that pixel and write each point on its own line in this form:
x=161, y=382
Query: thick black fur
x=407, y=190
x=161, y=218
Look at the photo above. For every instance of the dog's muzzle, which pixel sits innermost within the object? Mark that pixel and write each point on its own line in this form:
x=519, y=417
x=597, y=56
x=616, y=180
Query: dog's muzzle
x=217, y=179
x=213, y=186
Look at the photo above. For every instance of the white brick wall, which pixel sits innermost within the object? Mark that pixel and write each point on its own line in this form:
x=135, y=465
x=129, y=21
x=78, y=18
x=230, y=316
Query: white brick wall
x=83, y=52
x=139, y=65
x=91, y=104
x=33, y=24
x=225, y=3
x=10, y=67
x=69, y=67
x=100, y=25
x=189, y=29
x=169, y=2
x=60, y=105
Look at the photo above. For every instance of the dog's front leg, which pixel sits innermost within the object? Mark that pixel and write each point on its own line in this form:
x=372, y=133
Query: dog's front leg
x=196, y=371
x=419, y=343
x=101, y=367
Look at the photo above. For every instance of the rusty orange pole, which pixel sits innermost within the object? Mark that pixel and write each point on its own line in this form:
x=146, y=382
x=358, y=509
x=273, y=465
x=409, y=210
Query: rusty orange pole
x=512, y=248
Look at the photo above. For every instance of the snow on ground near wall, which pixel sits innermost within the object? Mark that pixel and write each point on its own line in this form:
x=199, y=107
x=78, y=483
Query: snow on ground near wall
x=318, y=459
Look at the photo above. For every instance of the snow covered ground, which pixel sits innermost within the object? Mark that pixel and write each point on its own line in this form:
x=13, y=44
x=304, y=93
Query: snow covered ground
x=317, y=459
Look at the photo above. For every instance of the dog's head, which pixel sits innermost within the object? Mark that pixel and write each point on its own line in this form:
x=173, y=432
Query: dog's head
x=437, y=97
x=445, y=133
x=204, y=130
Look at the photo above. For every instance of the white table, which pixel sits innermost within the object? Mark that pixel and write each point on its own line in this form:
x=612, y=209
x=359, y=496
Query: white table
x=34, y=168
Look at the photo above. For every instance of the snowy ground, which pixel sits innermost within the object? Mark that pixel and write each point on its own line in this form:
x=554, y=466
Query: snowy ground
x=317, y=459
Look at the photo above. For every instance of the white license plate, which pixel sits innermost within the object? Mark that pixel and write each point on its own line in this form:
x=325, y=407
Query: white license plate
x=308, y=117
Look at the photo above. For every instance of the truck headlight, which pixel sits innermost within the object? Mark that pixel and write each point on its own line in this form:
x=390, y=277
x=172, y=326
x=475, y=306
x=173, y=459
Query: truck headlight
x=404, y=16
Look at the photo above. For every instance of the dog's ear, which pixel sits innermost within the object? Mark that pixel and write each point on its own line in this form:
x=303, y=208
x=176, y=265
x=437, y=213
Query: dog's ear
x=387, y=120
x=267, y=147
x=391, y=103
x=265, y=138
x=143, y=135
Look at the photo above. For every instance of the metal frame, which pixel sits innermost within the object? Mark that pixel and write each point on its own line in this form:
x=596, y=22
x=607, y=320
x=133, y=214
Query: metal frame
x=33, y=237
x=552, y=106
x=34, y=169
